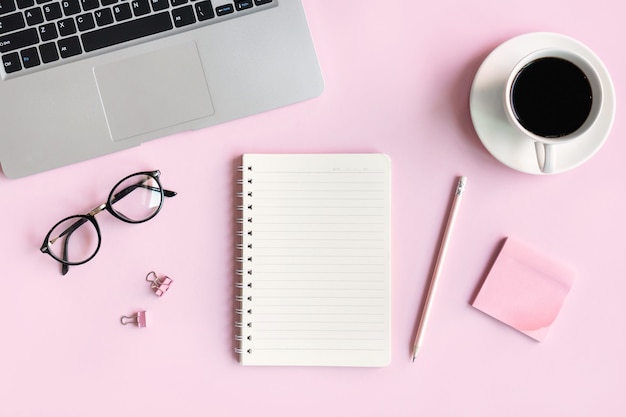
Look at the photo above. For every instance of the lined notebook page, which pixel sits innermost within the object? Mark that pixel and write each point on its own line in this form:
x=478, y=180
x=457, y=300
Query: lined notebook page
x=315, y=260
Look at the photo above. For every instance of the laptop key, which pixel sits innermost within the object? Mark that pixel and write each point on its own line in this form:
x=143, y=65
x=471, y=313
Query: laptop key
x=204, y=10
x=70, y=7
x=103, y=17
x=11, y=62
x=158, y=5
x=34, y=16
x=48, y=52
x=183, y=16
x=11, y=22
x=48, y=32
x=7, y=6
x=17, y=40
x=243, y=4
x=69, y=47
x=89, y=4
x=52, y=11
x=85, y=22
x=66, y=27
x=122, y=12
x=126, y=31
x=140, y=7
x=30, y=57
x=23, y=4
x=225, y=9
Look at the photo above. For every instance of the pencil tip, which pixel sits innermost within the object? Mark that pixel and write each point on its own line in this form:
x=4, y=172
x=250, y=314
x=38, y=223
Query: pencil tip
x=417, y=348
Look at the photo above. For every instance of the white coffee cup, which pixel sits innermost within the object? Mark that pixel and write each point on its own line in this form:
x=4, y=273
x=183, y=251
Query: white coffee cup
x=541, y=126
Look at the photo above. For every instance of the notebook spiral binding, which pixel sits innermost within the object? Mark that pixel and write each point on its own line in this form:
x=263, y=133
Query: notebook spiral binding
x=244, y=272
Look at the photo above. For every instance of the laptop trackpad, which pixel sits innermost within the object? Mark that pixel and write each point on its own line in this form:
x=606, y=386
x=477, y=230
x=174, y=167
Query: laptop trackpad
x=153, y=91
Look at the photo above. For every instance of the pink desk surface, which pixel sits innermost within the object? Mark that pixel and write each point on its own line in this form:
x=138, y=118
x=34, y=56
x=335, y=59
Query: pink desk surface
x=397, y=81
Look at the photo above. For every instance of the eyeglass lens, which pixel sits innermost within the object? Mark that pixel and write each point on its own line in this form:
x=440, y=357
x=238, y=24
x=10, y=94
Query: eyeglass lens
x=135, y=199
x=74, y=240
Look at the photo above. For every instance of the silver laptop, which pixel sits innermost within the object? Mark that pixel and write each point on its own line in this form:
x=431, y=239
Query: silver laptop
x=83, y=78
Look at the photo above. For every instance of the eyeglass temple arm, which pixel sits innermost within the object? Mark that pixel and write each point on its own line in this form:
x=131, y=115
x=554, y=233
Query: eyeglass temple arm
x=64, y=266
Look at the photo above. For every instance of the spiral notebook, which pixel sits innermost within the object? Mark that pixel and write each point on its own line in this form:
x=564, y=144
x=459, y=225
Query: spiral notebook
x=314, y=256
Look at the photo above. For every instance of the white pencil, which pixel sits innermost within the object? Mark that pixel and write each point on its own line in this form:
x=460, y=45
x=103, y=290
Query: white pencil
x=443, y=248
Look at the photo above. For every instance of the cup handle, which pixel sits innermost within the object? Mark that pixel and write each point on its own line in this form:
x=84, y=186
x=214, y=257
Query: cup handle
x=546, y=157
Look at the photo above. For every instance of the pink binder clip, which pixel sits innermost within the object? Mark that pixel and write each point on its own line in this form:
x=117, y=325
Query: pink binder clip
x=159, y=285
x=139, y=318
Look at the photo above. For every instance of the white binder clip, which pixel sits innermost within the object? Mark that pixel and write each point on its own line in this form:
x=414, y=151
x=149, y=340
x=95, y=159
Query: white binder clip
x=159, y=285
x=139, y=319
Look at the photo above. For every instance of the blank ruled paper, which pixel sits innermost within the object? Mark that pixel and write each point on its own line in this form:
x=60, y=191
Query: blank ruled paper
x=315, y=260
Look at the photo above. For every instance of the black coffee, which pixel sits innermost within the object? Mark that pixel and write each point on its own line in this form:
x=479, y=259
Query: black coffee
x=551, y=97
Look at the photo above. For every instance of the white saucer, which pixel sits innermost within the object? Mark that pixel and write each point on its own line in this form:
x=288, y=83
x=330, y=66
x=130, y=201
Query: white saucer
x=498, y=135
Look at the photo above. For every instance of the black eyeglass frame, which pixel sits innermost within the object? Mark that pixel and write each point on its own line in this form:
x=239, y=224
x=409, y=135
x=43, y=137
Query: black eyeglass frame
x=90, y=217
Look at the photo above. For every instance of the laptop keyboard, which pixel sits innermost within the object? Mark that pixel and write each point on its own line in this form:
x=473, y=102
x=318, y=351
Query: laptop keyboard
x=39, y=33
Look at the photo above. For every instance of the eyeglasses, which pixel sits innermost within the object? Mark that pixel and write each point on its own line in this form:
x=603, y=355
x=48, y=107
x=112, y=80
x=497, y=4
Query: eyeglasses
x=76, y=239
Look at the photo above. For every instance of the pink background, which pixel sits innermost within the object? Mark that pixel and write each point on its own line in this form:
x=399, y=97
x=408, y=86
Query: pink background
x=397, y=78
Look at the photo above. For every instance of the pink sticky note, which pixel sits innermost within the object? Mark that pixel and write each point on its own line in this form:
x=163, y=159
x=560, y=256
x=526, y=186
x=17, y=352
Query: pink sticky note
x=525, y=289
